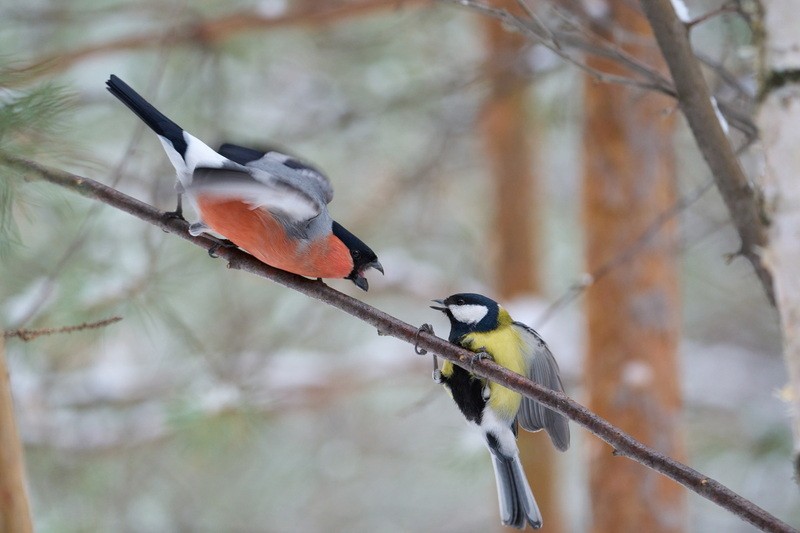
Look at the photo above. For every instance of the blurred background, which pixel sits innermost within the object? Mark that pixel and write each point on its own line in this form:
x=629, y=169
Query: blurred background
x=463, y=154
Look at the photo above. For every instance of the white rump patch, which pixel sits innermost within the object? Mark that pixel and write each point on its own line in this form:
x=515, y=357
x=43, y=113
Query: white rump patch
x=468, y=314
x=501, y=429
x=198, y=154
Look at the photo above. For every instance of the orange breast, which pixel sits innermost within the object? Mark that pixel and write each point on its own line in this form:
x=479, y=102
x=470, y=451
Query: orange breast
x=257, y=232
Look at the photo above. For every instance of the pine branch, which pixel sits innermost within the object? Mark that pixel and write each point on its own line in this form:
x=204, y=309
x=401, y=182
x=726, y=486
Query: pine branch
x=30, y=334
x=622, y=443
x=211, y=31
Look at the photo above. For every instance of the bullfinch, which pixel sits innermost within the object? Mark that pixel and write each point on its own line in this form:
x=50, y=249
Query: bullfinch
x=269, y=204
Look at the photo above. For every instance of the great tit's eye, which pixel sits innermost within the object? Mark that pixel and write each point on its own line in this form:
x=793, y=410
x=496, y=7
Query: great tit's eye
x=460, y=301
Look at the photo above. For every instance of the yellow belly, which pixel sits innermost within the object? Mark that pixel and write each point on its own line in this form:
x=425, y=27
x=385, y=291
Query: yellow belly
x=505, y=346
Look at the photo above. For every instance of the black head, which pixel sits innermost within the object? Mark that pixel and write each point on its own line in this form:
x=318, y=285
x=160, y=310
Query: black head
x=469, y=312
x=363, y=256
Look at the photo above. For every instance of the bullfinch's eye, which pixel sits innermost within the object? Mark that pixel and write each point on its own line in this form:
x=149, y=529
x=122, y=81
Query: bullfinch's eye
x=356, y=254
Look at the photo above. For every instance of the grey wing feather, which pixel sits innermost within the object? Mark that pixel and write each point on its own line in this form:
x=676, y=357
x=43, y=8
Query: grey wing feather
x=319, y=181
x=251, y=157
x=298, y=203
x=543, y=369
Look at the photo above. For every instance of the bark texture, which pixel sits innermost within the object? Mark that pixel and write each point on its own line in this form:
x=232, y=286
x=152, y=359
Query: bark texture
x=633, y=312
x=779, y=123
x=15, y=514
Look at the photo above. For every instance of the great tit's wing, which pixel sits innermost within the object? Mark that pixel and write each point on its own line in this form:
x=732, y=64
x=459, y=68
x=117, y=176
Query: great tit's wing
x=252, y=157
x=276, y=188
x=543, y=369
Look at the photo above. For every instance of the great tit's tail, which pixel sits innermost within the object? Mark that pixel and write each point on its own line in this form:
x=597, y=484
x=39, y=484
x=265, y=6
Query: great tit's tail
x=517, y=505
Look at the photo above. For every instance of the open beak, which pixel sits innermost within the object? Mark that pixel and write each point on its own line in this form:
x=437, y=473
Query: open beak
x=443, y=309
x=375, y=264
x=361, y=282
x=359, y=279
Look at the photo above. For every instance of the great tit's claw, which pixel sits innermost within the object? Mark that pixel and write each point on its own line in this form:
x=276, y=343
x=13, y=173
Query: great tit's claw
x=486, y=393
x=437, y=376
x=481, y=355
x=427, y=328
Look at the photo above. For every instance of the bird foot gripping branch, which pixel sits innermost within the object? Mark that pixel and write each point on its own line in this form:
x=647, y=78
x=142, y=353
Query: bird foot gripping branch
x=427, y=328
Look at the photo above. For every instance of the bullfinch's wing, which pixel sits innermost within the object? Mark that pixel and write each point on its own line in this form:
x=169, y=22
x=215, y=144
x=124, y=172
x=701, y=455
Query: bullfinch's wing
x=251, y=157
x=294, y=200
x=543, y=369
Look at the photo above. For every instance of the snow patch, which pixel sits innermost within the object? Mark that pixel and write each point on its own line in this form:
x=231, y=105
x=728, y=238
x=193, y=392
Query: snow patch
x=681, y=10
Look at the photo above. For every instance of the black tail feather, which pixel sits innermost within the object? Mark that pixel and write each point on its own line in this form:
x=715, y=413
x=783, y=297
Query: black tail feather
x=149, y=114
x=517, y=504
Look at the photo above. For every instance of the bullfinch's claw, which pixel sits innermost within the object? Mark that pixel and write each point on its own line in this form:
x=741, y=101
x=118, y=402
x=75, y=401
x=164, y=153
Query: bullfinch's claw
x=221, y=243
x=174, y=214
x=178, y=213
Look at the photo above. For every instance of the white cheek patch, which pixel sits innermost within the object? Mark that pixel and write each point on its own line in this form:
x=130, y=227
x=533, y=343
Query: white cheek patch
x=468, y=314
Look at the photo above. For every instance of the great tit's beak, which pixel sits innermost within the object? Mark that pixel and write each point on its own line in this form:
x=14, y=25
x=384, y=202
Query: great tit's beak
x=443, y=309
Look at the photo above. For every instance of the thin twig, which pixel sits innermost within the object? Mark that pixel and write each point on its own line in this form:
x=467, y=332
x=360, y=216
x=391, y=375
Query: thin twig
x=692, y=93
x=30, y=334
x=622, y=443
x=209, y=32
x=739, y=194
x=625, y=255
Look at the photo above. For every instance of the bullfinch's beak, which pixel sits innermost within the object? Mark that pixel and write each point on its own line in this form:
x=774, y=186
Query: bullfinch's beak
x=361, y=282
x=441, y=303
x=375, y=264
x=359, y=279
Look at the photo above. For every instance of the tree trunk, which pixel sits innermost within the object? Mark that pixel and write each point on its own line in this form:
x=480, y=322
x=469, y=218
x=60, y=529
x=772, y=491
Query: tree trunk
x=14, y=513
x=633, y=311
x=514, y=239
x=779, y=123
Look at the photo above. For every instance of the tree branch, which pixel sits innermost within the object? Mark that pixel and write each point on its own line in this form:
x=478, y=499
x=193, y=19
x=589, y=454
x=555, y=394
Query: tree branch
x=740, y=195
x=622, y=443
x=211, y=31
x=691, y=91
x=30, y=334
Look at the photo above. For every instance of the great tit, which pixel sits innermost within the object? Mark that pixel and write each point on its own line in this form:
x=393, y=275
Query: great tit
x=481, y=325
x=267, y=203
